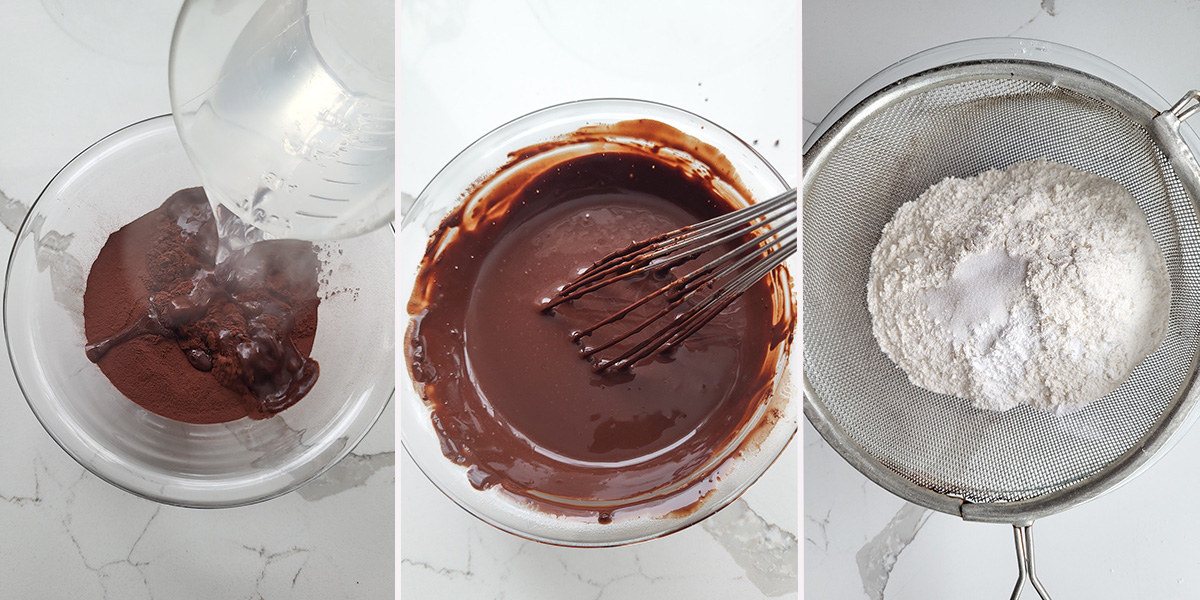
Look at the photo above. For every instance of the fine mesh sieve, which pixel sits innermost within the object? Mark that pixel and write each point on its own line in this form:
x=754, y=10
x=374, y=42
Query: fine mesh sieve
x=958, y=120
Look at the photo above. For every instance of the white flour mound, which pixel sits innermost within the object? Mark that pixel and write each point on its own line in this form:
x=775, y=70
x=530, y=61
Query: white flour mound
x=1037, y=284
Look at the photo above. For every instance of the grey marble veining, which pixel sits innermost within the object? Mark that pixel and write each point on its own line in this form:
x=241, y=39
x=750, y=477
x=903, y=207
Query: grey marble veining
x=464, y=74
x=74, y=72
x=863, y=542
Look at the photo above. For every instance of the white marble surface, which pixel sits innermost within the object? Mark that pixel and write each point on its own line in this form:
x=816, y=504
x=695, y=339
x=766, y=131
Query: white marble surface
x=862, y=542
x=470, y=66
x=74, y=71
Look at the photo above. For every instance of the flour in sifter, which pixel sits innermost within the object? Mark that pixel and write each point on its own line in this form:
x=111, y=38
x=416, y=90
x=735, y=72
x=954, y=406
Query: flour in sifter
x=1038, y=284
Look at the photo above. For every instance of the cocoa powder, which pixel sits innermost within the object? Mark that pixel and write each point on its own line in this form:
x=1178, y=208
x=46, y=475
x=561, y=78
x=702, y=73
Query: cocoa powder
x=193, y=340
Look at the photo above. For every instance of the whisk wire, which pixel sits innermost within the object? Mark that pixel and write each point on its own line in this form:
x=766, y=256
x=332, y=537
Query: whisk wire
x=772, y=226
x=640, y=257
x=689, y=322
x=686, y=286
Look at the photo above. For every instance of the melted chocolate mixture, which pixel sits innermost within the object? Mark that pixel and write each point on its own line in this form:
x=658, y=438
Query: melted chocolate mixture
x=246, y=324
x=511, y=397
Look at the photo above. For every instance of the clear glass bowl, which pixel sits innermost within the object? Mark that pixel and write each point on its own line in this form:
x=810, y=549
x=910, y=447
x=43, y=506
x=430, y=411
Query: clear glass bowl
x=744, y=460
x=993, y=48
x=116, y=180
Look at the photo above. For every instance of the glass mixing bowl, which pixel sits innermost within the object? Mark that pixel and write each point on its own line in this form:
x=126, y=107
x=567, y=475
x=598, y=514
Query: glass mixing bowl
x=741, y=462
x=116, y=180
x=992, y=49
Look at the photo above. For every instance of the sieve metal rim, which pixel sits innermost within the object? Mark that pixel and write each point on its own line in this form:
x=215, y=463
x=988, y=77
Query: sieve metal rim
x=1164, y=128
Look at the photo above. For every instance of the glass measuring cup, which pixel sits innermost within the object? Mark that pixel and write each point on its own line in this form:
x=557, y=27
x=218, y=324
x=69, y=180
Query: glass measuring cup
x=287, y=110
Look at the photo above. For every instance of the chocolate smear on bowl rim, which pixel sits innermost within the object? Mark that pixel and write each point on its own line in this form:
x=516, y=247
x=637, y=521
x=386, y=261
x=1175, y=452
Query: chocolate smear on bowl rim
x=509, y=397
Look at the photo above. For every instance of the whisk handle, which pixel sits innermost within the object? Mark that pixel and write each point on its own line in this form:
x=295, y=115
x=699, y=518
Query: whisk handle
x=1025, y=570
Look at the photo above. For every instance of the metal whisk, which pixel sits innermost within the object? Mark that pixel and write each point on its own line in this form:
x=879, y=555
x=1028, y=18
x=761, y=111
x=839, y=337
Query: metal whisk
x=762, y=235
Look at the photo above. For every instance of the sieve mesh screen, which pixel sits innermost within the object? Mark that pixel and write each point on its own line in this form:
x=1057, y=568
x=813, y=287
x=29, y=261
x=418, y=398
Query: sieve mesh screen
x=962, y=128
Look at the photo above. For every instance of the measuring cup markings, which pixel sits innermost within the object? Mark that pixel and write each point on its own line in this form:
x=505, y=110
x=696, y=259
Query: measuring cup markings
x=291, y=123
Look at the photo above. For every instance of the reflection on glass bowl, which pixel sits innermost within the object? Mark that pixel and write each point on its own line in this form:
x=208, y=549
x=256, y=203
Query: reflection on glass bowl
x=737, y=465
x=116, y=180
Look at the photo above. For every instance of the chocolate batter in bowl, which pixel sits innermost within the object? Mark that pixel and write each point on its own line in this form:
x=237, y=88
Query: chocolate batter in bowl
x=219, y=462
x=499, y=409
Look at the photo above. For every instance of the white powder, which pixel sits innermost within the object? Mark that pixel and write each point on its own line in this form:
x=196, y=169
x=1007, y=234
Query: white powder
x=1038, y=284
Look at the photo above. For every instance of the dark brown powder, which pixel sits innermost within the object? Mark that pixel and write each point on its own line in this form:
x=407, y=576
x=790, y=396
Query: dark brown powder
x=193, y=340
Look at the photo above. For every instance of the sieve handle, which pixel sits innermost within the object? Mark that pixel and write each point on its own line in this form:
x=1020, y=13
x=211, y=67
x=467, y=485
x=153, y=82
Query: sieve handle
x=1187, y=106
x=1024, y=538
x=1164, y=128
